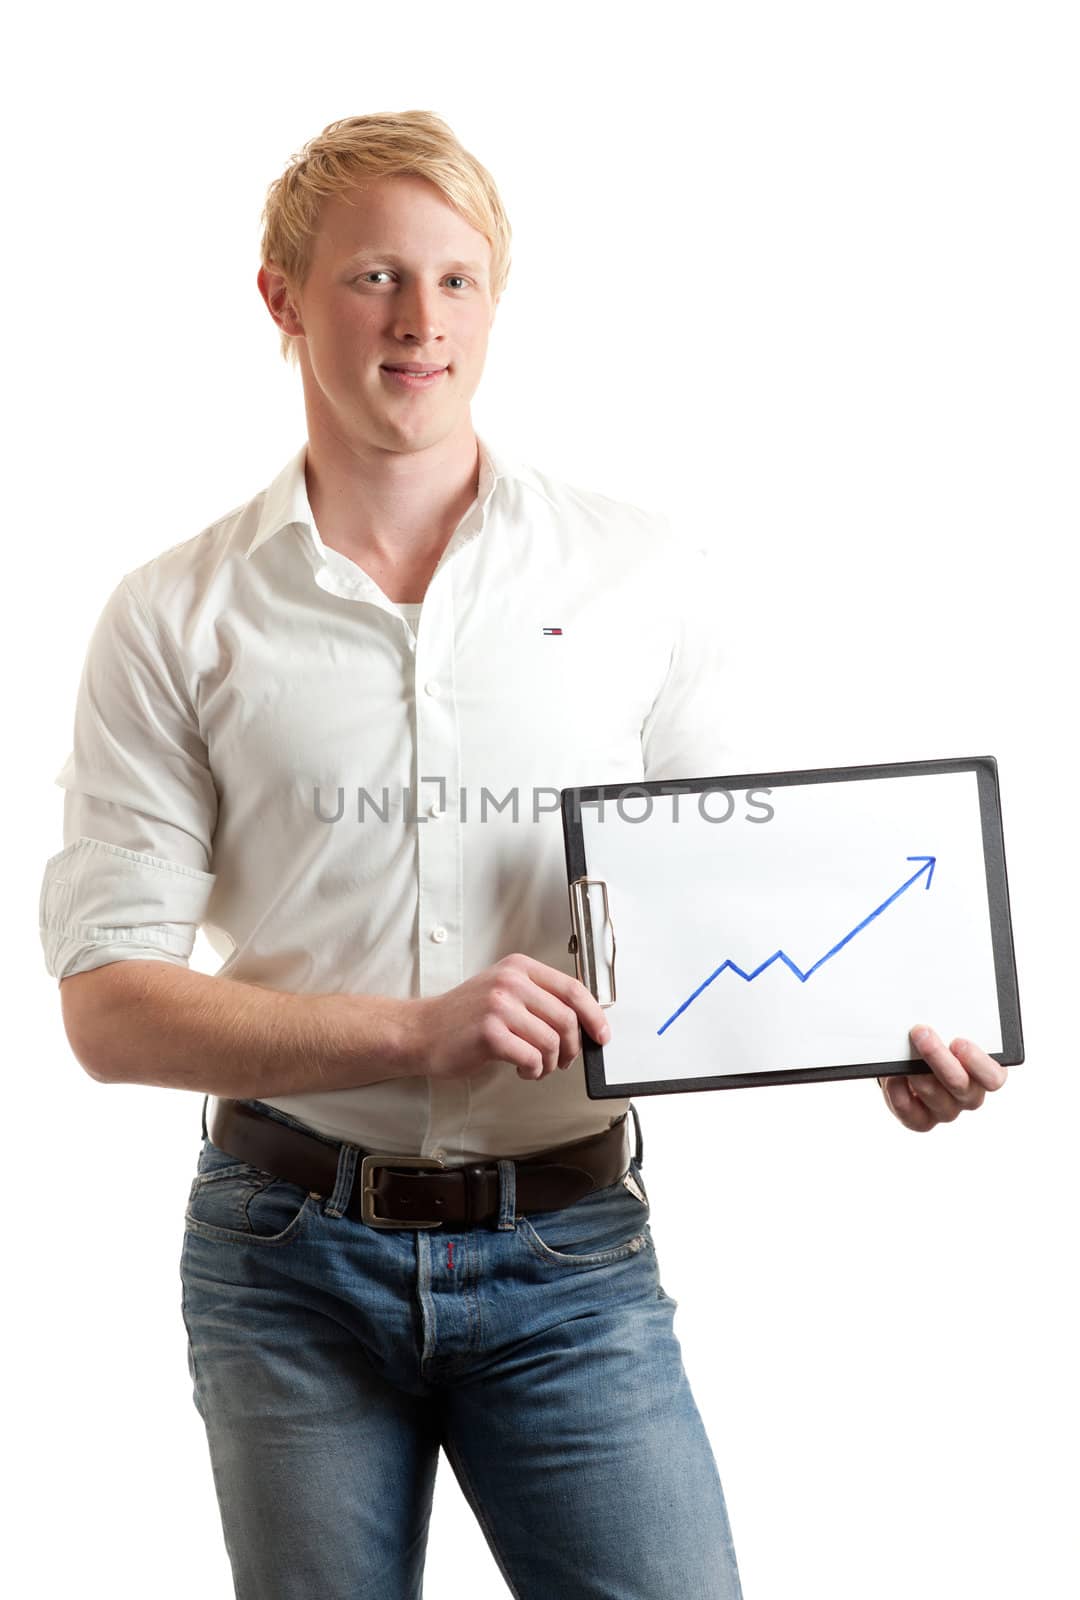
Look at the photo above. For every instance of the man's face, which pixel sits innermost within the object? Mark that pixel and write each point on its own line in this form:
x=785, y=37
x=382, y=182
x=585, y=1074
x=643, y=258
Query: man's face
x=396, y=276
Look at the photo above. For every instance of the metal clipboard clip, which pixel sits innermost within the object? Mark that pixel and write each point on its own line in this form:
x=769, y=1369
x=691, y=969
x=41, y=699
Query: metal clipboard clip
x=587, y=936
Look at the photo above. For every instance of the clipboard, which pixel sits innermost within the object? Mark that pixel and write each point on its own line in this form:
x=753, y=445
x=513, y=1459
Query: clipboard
x=790, y=927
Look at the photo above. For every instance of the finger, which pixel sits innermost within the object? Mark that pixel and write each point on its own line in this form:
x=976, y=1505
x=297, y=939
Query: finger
x=980, y=1067
x=572, y=993
x=505, y=1045
x=939, y=1103
x=543, y=1037
x=552, y=1015
x=941, y=1100
x=942, y=1063
x=538, y=1015
x=904, y=1106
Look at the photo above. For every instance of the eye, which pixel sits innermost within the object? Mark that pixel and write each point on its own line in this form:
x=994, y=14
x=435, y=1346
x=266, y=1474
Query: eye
x=380, y=272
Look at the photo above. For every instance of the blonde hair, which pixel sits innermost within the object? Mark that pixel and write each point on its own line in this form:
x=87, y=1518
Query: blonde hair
x=382, y=144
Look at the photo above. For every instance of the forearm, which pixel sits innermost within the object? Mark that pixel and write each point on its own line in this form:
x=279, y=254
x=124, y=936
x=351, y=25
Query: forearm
x=155, y=1023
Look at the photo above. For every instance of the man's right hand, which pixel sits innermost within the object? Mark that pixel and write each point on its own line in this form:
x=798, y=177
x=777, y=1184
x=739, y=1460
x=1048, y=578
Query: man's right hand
x=519, y=1010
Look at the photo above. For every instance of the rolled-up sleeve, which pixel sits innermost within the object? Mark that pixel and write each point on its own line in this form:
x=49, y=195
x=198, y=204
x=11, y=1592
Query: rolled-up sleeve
x=133, y=878
x=687, y=731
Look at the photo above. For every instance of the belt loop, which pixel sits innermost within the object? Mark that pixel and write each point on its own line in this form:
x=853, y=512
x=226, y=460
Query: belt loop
x=346, y=1169
x=204, y=1132
x=639, y=1141
x=507, y=1193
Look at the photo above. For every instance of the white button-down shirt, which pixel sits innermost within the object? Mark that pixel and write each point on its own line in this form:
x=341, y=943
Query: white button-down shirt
x=350, y=794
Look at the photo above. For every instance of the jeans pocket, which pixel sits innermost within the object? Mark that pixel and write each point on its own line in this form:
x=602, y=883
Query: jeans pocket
x=232, y=1201
x=604, y=1226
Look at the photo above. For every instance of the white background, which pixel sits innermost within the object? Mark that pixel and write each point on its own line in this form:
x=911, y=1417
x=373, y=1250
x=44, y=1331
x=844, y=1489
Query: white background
x=804, y=275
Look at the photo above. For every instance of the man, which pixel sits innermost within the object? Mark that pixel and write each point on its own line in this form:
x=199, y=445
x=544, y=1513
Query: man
x=287, y=731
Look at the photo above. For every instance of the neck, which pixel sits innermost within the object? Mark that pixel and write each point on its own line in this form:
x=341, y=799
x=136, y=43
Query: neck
x=392, y=511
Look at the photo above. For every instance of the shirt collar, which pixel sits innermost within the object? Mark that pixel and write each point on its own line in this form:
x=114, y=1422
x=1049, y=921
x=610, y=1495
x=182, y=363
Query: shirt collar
x=285, y=501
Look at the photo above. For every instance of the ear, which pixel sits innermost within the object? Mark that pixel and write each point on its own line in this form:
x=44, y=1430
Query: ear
x=275, y=291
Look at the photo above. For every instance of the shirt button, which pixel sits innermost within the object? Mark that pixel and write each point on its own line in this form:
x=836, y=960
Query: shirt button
x=431, y=687
x=439, y=935
x=436, y=810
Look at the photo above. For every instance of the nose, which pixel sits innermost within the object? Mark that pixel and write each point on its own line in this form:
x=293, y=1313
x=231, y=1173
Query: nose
x=417, y=314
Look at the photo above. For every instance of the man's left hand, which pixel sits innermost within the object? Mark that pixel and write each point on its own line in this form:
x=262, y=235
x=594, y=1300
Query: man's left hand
x=959, y=1076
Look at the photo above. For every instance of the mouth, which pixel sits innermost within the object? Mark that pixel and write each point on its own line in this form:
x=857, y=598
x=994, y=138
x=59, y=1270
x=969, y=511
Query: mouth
x=415, y=378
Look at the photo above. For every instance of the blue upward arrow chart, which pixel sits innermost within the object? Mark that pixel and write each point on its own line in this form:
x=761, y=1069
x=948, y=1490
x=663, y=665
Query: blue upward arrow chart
x=927, y=871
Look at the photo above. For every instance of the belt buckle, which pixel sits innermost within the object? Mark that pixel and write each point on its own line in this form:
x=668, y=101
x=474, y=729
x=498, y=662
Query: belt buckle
x=367, y=1188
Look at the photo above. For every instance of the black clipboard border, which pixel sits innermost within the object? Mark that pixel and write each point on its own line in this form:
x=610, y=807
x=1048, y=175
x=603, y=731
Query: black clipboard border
x=997, y=889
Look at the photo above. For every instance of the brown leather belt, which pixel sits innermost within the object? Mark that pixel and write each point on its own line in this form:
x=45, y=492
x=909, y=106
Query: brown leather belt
x=394, y=1191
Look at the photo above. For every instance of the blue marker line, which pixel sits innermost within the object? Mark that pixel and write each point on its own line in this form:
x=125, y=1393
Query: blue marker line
x=927, y=869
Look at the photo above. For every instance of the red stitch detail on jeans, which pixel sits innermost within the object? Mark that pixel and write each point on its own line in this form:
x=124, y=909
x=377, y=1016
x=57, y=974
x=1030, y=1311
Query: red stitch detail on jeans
x=450, y=1254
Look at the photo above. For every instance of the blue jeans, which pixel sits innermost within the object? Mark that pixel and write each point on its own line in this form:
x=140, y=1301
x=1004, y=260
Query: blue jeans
x=331, y=1360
